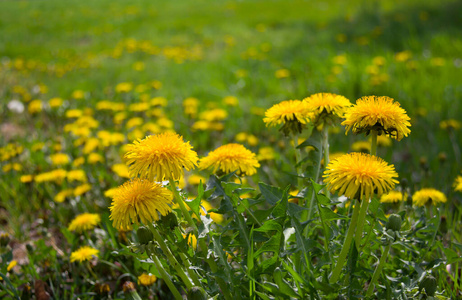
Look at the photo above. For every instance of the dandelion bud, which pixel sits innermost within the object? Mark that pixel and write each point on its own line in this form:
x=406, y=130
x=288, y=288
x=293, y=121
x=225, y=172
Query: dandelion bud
x=429, y=284
x=442, y=157
x=444, y=224
x=197, y=293
x=4, y=239
x=394, y=222
x=130, y=291
x=144, y=235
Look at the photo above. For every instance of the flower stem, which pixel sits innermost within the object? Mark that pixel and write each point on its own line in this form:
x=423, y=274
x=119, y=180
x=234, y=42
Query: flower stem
x=374, y=143
x=346, y=245
x=170, y=256
x=361, y=222
x=191, y=272
x=298, y=158
x=378, y=270
x=325, y=149
x=183, y=208
x=165, y=277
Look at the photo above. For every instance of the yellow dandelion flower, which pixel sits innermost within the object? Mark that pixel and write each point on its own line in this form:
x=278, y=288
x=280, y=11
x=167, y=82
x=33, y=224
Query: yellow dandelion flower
x=428, y=196
x=61, y=196
x=158, y=101
x=121, y=170
x=76, y=175
x=192, y=240
x=393, y=197
x=139, y=200
x=231, y=101
x=35, y=106
x=55, y=102
x=94, y=158
x=84, y=253
x=195, y=179
x=146, y=279
x=59, y=159
x=11, y=265
x=292, y=113
x=358, y=174
x=458, y=184
x=26, y=178
x=282, y=73
x=326, y=106
x=361, y=146
x=229, y=158
x=82, y=189
x=84, y=222
x=377, y=113
x=450, y=124
x=160, y=157
x=217, y=218
x=266, y=153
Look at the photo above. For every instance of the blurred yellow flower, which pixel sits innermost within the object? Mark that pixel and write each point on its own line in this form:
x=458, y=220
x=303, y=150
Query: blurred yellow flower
x=458, y=184
x=450, y=124
x=393, y=197
x=361, y=146
x=83, y=222
x=124, y=87
x=35, y=106
x=84, y=253
x=230, y=101
x=428, y=196
x=146, y=279
x=78, y=94
x=121, y=170
x=229, y=158
x=195, y=179
x=76, y=175
x=158, y=101
x=59, y=159
x=266, y=153
x=139, y=200
x=55, y=102
x=282, y=73
x=26, y=178
x=82, y=189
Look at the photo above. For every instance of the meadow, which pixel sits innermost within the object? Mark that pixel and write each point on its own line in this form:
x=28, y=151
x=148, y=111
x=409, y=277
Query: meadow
x=84, y=84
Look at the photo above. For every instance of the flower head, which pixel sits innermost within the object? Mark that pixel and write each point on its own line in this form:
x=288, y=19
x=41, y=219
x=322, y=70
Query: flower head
x=393, y=197
x=146, y=279
x=229, y=158
x=160, y=157
x=84, y=253
x=84, y=222
x=292, y=113
x=358, y=174
x=458, y=184
x=137, y=200
x=378, y=113
x=326, y=107
x=428, y=196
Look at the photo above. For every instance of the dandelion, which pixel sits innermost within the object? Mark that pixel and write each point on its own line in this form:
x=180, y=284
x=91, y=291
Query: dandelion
x=292, y=113
x=121, y=170
x=82, y=189
x=84, y=253
x=428, y=196
x=229, y=158
x=84, y=222
x=326, y=106
x=282, y=73
x=160, y=157
x=380, y=114
x=458, y=184
x=358, y=174
x=146, y=279
x=393, y=197
x=450, y=124
x=139, y=200
x=62, y=195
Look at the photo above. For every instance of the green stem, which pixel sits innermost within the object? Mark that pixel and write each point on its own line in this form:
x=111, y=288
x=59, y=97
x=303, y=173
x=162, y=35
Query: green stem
x=374, y=143
x=326, y=237
x=298, y=158
x=361, y=222
x=378, y=270
x=191, y=273
x=170, y=256
x=346, y=245
x=182, y=205
x=325, y=149
x=318, y=168
x=165, y=277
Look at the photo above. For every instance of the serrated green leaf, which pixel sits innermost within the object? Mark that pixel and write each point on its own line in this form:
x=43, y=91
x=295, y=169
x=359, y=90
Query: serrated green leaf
x=271, y=194
x=271, y=225
x=329, y=215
